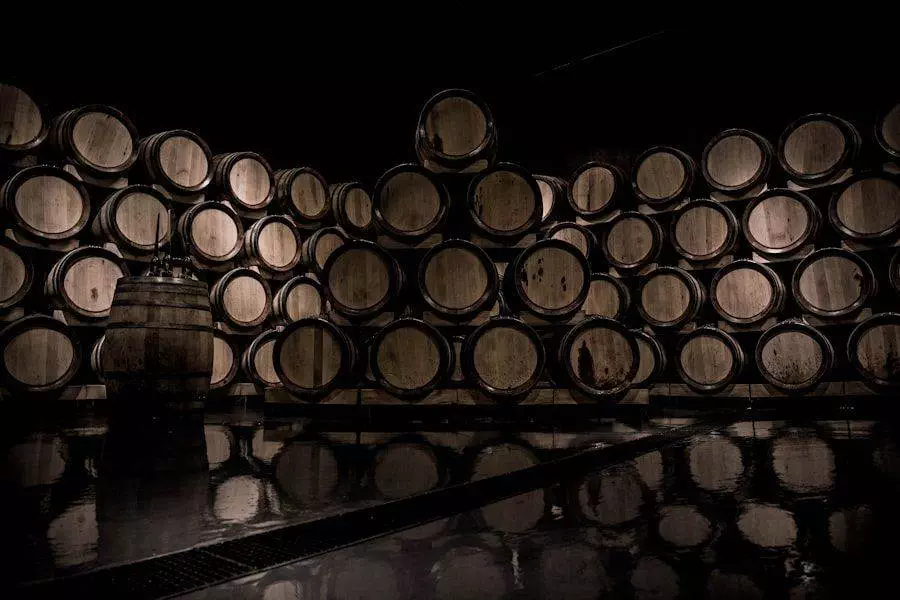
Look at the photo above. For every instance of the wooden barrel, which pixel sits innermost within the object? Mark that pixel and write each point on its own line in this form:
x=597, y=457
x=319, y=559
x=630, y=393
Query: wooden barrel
x=361, y=279
x=736, y=161
x=46, y=203
x=651, y=358
x=456, y=130
x=894, y=272
x=662, y=174
x=178, y=160
x=159, y=341
x=244, y=179
x=40, y=354
x=96, y=358
x=312, y=356
x=887, y=132
x=594, y=189
x=832, y=282
x=793, y=356
x=669, y=297
x=631, y=240
x=607, y=297
x=504, y=357
x=708, y=360
x=130, y=217
x=704, y=230
x=224, y=364
x=457, y=279
x=409, y=202
x=257, y=360
x=405, y=468
x=303, y=193
x=746, y=292
x=874, y=349
x=211, y=232
x=22, y=126
x=867, y=207
x=410, y=357
x=84, y=280
x=318, y=247
x=579, y=236
x=817, y=147
x=352, y=207
x=241, y=298
x=599, y=356
x=780, y=222
x=553, y=191
x=519, y=513
x=98, y=139
x=550, y=278
x=505, y=201
x=16, y=274
x=273, y=244
x=298, y=298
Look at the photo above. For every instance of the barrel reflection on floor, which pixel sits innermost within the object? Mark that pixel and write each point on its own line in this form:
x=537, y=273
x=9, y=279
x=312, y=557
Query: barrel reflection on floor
x=516, y=514
x=219, y=445
x=684, y=526
x=73, y=536
x=732, y=586
x=37, y=460
x=650, y=468
x=803, y=462
x=716, y=464
x=612, y=497
x=238, y=499
x=767, y=526
x=572, y=571
x=470, y=571
x=363, y=577
x=851, y=529
x=653, y=579
x=403, y=469
x=307, y=472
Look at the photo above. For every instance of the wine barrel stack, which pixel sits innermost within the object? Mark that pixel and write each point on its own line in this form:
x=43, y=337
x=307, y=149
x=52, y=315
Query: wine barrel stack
x=763, y=260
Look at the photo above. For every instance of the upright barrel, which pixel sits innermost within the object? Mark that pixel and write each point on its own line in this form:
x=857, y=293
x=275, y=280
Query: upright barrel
x=669, y=297
x=224, y=364
x=159, y=341
x=595, y=188
x=40, y=354
x=302, y=192
x=361, y=279
x=550, y=279
x=257, y=360
x=273, y=244
x=352, y=207
x=456, y=131
x=793, y=356
x=241, y=298
x=84, y=281
x=16, y=274
x=662, y=174
x=746, y=292
x=651, y=358
x=599, y=356
x=211, y=232
x=887, y=132
x=98, y=139
x=704, y=230
x=832, y=282
x=607, y=297
x=874, y=349
x=867, y=207
x=244, y=179
x=736, y=160
x=298, y=298
x=553, y=192
x=409, y=202
x=504, y=201
x=631, y=240
x=457, y=279
x=46, y=203
x=579, y=236
x=410, y=357
x=503, y=357
x=817, y=147
x=22, y=126
x=131, y=217
x=780, y=222
x=311, y=356
x=708, y=360
x=178, y=160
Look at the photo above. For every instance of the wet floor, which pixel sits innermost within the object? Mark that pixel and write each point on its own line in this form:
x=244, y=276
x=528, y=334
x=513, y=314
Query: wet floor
x=760, y=509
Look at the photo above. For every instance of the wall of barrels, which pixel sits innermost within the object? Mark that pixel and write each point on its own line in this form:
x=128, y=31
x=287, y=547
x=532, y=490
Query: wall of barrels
x=750, y=266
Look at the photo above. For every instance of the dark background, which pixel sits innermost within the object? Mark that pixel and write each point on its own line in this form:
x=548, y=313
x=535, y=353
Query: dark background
x=558, y=98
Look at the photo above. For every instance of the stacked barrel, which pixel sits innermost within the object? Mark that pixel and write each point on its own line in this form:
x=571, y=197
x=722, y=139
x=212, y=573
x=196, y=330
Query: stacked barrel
x=744, y=262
